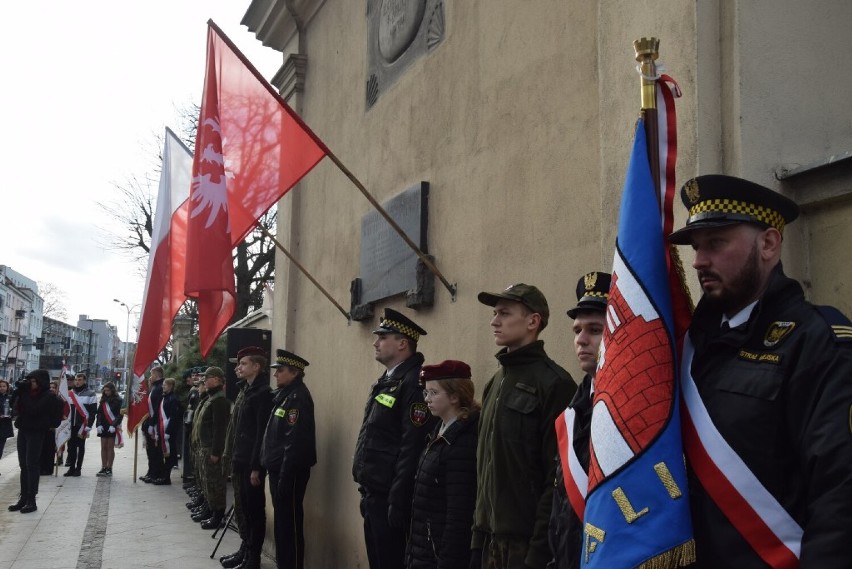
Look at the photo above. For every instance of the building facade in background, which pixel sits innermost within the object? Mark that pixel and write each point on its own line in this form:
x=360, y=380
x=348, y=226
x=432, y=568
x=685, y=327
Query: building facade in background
x=21, y=337
x=520, y=118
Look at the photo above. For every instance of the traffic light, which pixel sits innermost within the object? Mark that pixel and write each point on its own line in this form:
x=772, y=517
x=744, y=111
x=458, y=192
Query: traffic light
x=118, y=376
x=39, y=343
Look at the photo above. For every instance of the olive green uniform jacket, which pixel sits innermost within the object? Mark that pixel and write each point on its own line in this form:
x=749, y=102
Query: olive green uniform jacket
x=517, y=443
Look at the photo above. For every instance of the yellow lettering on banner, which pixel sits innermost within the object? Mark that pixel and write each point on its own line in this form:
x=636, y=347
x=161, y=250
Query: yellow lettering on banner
x=592, y=533
x=385, y=399
x=626, y=507
x=668, y=480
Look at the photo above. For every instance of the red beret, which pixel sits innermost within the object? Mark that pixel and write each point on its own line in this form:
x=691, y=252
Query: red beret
x=249, y=351
x=447, y=369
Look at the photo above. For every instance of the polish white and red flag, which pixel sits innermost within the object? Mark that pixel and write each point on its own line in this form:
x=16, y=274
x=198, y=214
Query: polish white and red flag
x=164, y=293
x=251, y=148
x=63, y=431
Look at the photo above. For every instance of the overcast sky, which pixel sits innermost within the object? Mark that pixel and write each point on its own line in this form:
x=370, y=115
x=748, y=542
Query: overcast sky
x=87, y=87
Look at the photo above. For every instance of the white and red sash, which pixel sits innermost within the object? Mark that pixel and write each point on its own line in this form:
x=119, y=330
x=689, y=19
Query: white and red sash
x=752, y=510
x=162, y=425
x=119, y=440
x=576, y=479
x=80, y=406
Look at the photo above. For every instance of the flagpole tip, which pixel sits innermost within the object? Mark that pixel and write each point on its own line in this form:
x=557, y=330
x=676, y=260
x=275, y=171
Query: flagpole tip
x=646, y=48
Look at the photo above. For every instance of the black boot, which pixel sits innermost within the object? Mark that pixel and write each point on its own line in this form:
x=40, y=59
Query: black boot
x=251, y=561
x=214, y=521
x=22, y=500
x=194, y=503
x=202, y=515
x=30, y=506
x=234, y=559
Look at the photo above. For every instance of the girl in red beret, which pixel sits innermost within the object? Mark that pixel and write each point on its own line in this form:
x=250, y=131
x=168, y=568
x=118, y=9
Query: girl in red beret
x=445, y=486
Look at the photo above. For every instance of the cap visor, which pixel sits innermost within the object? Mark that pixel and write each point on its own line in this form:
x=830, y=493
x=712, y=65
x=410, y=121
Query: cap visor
x=682, y=236
x=490, y=298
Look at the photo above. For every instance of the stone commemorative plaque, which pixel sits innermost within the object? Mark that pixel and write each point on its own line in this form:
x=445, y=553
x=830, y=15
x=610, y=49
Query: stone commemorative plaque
x=399, y=32
x=388, y=266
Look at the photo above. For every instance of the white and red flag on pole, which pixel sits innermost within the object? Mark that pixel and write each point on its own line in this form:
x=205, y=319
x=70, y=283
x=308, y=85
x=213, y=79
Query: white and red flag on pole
x=251, y=148
x=63, y=431
x=166, y=269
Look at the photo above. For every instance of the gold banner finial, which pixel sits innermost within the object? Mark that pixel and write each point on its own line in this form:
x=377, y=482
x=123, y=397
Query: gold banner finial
x=647, y=51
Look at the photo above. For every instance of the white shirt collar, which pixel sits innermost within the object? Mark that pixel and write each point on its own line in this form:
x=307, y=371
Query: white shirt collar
x=740, y=317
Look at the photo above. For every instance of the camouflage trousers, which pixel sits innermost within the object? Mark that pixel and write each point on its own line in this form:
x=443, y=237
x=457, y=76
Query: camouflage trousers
x=212, y=479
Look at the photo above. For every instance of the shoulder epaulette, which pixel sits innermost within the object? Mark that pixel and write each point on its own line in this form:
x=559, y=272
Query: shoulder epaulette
x=840, y=325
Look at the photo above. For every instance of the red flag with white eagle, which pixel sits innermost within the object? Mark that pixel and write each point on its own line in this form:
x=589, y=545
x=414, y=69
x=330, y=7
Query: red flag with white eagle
x=251, y=148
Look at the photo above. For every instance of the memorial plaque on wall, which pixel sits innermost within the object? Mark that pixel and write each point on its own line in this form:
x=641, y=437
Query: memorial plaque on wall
x=388, y=266
x=400, y=32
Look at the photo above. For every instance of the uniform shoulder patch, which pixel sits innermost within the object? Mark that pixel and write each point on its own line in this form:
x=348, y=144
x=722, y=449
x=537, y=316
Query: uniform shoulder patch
x=839, y=323
x=776, y=332
x=419, y=414
x=292, y=416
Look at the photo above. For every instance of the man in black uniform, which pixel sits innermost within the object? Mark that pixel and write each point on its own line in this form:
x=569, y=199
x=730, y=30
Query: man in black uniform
x=242, y=445
x=390, y=442
x=156, y=464
x=769, y=395
x=566, y=528
x=289, y=452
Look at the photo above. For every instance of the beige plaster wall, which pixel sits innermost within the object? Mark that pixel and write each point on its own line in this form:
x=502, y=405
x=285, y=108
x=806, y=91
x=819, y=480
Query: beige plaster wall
x=522, y=122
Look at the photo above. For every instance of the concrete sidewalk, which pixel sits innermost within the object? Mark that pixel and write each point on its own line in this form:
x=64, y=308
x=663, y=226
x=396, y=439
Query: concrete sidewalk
x=109, y=523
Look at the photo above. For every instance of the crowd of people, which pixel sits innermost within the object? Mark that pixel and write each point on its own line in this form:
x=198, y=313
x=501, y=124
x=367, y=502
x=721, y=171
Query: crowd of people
x=446, y=482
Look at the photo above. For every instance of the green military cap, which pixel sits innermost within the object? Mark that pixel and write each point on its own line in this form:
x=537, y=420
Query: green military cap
x=528, y=295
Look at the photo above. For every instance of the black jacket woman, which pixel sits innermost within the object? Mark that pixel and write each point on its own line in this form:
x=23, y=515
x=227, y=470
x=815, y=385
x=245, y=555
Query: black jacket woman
x=36, y=410
x=445, y=486
x=5, y=414
x=108, y=421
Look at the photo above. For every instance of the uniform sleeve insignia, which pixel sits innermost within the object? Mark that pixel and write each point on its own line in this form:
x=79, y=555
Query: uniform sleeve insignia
x=419, y=414
x=279, y=412
x=292, y=416
x=840, y=324
x=776, y=332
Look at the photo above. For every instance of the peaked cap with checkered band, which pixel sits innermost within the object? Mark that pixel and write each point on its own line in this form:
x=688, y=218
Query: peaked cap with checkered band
x=716, y=200
x=393, y=322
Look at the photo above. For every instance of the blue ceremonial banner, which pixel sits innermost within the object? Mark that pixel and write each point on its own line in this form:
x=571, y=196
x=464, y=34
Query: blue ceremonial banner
x=637, y=508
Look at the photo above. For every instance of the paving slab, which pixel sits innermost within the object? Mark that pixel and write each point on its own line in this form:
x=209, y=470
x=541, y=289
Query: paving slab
x=89, y=522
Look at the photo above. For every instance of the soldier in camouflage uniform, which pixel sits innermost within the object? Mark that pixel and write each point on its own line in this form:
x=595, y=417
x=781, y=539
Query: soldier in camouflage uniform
x=209, y=435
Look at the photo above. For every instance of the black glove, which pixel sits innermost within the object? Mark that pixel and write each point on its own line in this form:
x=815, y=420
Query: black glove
x=396, y=518
x=475, y=559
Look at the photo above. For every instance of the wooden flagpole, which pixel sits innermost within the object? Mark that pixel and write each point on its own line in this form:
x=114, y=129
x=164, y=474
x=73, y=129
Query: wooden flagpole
x=647, y=51
x=304, y=270
x=377, y=206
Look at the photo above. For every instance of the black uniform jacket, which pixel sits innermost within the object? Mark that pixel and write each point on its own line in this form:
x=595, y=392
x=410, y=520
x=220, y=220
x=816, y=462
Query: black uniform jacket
x=155, y=396
x=566, y=529
x=290, y=442
x=444, y=498
x=249, y=422
x=103, y=420
x=89, y=401
x=779, y=390
x=172, y=412
x=396, y=422
x=37, y=411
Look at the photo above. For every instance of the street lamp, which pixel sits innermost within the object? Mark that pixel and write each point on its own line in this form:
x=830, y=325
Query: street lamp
x=126, y=329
